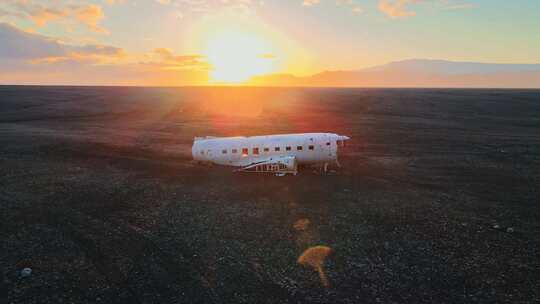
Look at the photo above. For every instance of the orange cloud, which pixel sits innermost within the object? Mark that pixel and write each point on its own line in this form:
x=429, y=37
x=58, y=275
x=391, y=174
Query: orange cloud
x=94, y=54
x=113, y=2
x=310, y=2
x=397, y=8
x=91, y=15
x=164, y=58
x=29, y=58
x=43, y=16
x=87, y=14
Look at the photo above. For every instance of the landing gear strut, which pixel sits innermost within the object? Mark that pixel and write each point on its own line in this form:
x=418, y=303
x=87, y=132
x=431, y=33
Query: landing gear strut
x=323, y=169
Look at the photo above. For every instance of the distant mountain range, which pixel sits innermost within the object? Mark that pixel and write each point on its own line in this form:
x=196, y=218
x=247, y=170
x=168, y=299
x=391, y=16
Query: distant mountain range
x=418, y=73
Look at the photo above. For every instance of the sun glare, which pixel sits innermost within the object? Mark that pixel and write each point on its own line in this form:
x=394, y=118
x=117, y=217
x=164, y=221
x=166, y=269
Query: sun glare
x=237, y=56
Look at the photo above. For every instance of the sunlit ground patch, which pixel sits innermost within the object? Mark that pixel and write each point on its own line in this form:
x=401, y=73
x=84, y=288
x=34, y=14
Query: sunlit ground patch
x=306, y=235
x=315, y=257
x=301, y=224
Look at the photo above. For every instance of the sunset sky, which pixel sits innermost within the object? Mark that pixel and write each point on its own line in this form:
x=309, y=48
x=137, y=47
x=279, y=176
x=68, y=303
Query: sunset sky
x=197, y=42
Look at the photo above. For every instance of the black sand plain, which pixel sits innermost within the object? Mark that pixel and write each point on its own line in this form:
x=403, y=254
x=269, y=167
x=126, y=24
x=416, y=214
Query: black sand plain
x=437, y=200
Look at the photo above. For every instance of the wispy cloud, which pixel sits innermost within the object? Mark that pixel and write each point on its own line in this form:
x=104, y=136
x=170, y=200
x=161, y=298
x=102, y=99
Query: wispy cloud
x=165, y=58
x=87, y=14
x=351, y=4
x=34, y=58
x=113, y=2
x=30, y=48
x=4, y=13
x=357, y=10
x=460, y=6
x=24, y=47
x=310, y=2
x=93, y=54
x=267, y=56
x=397, y=8
x=403, y=8
x=202, y=7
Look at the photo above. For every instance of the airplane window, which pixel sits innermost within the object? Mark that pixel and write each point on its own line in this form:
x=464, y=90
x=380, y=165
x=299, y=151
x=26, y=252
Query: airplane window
x=266, y=149
x=299, y=148
x=277, y=148
x=244, y=151
x=311, y=147
x=288, y=148
x=234, y=151
x=255, y=151
x=224, y=151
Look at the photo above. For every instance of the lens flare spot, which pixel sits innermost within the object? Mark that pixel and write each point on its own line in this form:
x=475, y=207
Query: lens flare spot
x=315, y=257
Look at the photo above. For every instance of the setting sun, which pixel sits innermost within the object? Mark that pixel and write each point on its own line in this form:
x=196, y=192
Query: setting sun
x=236, y=56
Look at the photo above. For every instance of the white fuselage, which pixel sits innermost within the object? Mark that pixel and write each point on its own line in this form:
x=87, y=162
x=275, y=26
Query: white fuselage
x=306, y=148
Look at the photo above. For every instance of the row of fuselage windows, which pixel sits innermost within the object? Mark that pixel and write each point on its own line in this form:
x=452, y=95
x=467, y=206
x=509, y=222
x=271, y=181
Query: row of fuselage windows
x=257, y=151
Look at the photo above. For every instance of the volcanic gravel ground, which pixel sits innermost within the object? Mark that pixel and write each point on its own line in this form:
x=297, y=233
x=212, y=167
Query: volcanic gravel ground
x=437, y=199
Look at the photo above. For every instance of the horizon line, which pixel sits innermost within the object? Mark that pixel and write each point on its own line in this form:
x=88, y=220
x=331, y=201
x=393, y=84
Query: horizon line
x=269, y=87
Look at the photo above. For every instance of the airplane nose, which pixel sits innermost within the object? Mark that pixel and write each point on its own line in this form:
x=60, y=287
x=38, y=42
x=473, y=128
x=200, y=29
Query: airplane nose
x=341, y=140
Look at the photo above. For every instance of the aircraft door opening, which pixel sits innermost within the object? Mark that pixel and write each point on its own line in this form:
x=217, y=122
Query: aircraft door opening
x=326, y=146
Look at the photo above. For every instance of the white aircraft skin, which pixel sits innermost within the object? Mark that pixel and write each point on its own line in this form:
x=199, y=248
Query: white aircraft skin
x=289, y=150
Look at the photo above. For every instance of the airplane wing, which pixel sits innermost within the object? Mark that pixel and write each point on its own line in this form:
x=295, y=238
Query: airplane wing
x=278, y=165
